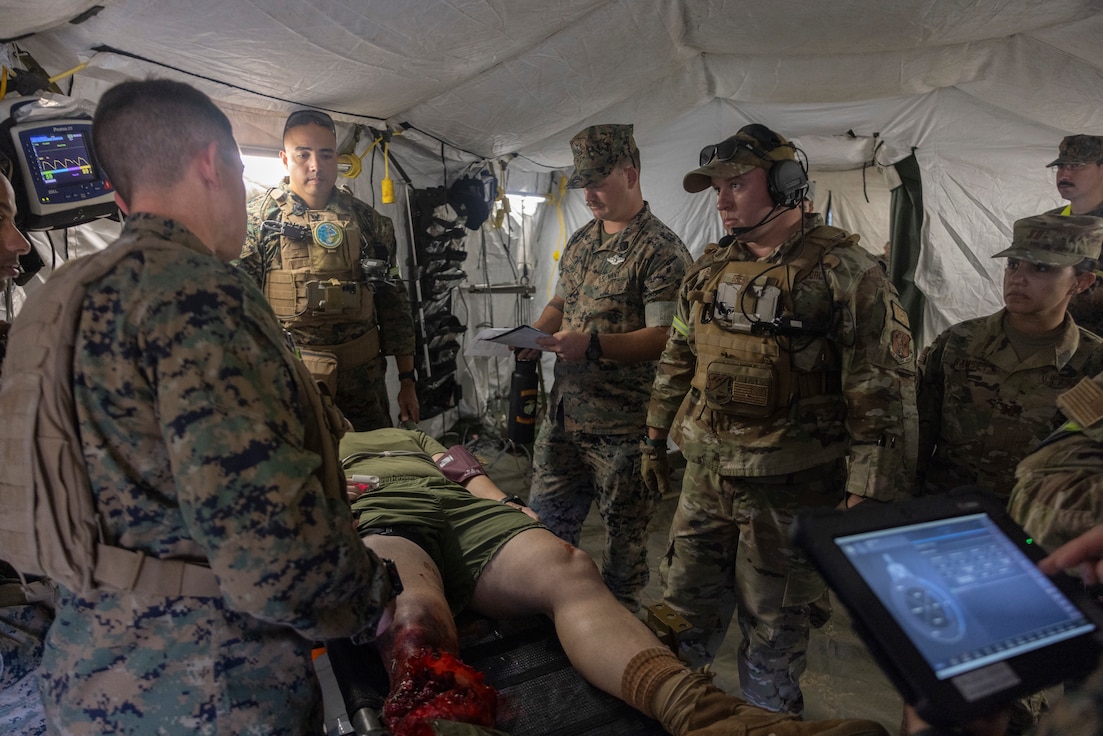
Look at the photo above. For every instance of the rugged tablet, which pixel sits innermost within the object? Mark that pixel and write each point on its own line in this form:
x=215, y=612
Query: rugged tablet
x=945, y=592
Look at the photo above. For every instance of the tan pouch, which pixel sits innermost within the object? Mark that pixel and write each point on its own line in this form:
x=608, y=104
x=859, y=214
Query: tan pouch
x=322, y=367
x=741, y=389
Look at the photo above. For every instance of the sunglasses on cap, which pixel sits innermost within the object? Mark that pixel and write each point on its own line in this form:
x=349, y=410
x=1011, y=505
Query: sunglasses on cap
x=1073, y=166
x=766, y=139
x=303, y=117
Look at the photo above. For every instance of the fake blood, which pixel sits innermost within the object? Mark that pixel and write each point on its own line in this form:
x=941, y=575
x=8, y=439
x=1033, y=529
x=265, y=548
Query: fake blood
x=438, y=685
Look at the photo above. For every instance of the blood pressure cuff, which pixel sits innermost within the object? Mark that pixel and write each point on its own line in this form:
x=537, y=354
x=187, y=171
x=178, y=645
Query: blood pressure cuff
x=459, y=466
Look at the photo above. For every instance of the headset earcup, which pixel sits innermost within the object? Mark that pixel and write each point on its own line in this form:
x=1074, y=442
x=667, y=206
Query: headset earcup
x=787, y=182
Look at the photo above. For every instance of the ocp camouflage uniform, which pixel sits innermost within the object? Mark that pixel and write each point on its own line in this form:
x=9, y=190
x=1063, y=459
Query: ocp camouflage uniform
x=1058, y=493
x=982, y=409
x=1083, y=307
x=361, y=390
x=851, y=407
x=194, y=435
x=588, y=447
x=1078, y=712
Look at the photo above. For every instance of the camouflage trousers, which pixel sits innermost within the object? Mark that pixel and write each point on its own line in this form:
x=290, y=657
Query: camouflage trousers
x=734, y=532
x=362, y=395
x=22, y=632
x=573, y=470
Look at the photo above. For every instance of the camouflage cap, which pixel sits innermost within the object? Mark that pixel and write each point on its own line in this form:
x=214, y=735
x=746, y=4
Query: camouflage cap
x=1079, y=149
x=597, y=151
x=1055, y=240
x=754, y=146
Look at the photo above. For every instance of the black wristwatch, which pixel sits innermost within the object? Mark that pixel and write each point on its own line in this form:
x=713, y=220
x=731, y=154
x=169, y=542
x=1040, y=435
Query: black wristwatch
x=593, y=351
x=410, y=375
x=513, y=499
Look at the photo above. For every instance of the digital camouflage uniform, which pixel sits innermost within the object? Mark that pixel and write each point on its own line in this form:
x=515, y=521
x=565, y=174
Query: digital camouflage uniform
x=982, y=409
x=362, y=391
x=23, y=627
x=192, y=427
x=745, y=477
x=588, y=447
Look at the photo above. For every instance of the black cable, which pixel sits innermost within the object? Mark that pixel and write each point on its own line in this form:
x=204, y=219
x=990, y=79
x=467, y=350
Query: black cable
x=410, y=126
x=130, y=55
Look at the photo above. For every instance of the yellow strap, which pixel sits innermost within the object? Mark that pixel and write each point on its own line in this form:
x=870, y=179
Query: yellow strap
x=681, y=327
x=65, y=74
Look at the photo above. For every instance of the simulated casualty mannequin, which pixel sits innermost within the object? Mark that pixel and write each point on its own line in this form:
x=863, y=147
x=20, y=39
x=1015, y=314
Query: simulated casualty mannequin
x=459, y=542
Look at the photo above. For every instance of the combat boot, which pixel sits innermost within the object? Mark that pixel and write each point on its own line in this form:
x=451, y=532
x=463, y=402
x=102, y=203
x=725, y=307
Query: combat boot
x=699, y=708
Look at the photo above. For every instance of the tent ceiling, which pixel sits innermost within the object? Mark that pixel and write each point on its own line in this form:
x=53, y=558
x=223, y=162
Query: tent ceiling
x=496, y=77
x=980, y=90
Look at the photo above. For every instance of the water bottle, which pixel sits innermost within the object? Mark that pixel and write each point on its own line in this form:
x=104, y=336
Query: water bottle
x=523, y=391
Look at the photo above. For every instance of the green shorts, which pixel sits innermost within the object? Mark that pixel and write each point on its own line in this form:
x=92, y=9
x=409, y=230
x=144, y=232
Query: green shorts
x=460, y=532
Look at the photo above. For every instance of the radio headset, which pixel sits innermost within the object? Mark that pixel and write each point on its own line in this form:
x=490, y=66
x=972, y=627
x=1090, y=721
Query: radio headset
x=787, y=179
x=787, y=185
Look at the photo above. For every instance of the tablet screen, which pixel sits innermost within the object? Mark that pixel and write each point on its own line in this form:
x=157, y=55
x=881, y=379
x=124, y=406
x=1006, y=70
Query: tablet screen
x=962, y=591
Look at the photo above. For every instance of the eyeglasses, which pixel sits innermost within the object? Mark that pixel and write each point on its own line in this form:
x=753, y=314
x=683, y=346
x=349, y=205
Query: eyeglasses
x=303, y=117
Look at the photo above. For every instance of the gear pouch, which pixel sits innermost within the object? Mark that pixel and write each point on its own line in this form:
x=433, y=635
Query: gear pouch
x=741, y=389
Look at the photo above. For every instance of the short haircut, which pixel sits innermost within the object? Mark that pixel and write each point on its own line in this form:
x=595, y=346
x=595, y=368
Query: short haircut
x=631, y=159
x=305, y=117
x=146, y=133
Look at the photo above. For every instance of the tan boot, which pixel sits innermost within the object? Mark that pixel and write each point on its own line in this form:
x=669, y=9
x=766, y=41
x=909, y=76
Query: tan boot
x=696, y=707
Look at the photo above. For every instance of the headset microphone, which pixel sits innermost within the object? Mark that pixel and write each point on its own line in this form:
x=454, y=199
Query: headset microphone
x=737, y=232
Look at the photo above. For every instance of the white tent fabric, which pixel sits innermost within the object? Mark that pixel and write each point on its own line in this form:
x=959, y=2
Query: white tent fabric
x=980, y=90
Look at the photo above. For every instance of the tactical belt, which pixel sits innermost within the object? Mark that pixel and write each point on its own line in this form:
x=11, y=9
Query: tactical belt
x=354, y=353
x=126, y=570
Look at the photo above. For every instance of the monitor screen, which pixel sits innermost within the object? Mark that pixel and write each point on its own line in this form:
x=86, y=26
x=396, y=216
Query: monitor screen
x=62, y=156
x=60, y=183
x=965, y=594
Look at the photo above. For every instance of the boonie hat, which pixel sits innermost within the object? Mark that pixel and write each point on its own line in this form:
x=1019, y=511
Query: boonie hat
x=597, y=150
x=1055, y=240
x=754, y=146
x=1079, y=149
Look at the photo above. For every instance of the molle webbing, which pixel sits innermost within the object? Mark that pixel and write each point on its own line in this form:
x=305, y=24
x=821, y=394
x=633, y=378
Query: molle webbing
x=751, y=374
x=316, y=285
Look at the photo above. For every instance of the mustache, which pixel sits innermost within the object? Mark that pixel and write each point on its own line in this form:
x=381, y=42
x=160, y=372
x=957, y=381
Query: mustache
x=1064, y=182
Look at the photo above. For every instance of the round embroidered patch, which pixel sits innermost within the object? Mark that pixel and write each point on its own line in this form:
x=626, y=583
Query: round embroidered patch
x=329, y=234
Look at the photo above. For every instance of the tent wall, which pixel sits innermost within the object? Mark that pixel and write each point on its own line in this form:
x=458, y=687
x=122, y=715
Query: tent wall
x=980, y=92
